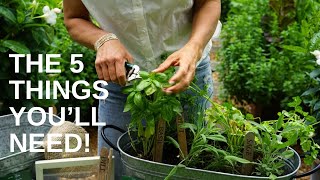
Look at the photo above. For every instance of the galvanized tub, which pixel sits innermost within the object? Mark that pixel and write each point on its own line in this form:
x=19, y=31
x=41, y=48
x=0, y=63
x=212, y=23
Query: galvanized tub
x=149, y=170
x=12, y=162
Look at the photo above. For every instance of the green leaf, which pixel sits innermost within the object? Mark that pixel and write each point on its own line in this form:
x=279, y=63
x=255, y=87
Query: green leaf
x=150, y=90
x=279, y=122
x=306, y=145
x=315, y=73
x=174, y=170
x=203, y=138
x=142, y=85
x=39, y=34
x=144, y=74
x=138, y=100
x=310, y=91
x=149, y=131
x=140, y=129
x=20, y=16
x=296, y=102
x=161, y=77
x=272, y=177
x=217, y=137
x=316, y=106
x=157, y=83
x=236, y=159
x=190, y=126
x=127, y=107
x=3, y=49
x=16, y=46
x=174, y=142
x=127, y=90
x=315, y=40
x=287, y=154
x=8, y=15
x=295, y=48
x=177, y=109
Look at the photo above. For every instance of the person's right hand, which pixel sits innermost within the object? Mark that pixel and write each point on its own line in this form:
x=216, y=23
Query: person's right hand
x=110, y=62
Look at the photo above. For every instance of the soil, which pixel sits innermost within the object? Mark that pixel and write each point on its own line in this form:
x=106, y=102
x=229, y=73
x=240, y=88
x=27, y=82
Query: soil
x=170, y=156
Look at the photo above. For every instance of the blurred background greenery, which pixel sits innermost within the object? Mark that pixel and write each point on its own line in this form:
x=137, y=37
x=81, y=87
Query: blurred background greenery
x=265, y=57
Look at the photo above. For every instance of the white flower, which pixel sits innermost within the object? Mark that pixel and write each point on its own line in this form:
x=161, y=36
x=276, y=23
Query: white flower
x=57, y=10
x=34, y=2
x=318, y=62
x=46, y=9
x=316, y=53
x=50, y=15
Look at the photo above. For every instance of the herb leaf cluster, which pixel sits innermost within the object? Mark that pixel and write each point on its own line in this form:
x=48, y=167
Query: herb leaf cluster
x=148, y=104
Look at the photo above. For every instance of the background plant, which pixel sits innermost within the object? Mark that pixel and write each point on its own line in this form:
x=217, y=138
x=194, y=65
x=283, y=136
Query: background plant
x=225, y=7
x=311, y=97
x=265, y=52
x=22, y=31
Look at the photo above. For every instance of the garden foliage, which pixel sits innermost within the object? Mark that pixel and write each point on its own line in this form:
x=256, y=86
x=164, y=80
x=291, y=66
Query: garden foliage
x=23, y=33
x=218, y=140
x=266, y=45
x=26, y=30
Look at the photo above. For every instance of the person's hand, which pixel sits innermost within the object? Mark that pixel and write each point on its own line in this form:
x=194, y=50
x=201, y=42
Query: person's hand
x=186, y=58
x=110, y=60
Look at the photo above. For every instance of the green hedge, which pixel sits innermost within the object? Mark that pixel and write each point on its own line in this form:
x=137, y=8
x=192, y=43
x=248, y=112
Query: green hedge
x=266, y=50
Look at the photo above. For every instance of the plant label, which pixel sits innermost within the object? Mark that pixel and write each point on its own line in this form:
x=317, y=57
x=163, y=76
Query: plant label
x=158, y=149
x=104, y=161
x=248, y=152
x=182, y=136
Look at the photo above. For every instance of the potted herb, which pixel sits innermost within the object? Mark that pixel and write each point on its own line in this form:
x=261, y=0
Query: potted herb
x=149, y=106
x=218, y=140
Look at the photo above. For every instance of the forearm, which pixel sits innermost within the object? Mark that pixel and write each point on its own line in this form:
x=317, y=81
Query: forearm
x=79, y=25
x=83, y=31
x=205, y=18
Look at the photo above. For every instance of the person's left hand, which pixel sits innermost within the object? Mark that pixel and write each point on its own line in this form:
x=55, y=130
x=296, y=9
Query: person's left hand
x=186, y=58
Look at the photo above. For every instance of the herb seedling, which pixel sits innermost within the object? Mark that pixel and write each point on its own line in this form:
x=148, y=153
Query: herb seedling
x=148, y=104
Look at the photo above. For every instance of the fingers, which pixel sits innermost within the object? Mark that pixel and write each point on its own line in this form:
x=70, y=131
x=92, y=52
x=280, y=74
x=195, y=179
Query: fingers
x=121, y=73
x=110, y=62
x=112, y=72
x=183, y=77
x=99, y=71
x=129, y=58
x=105, y=72
x=171, y=60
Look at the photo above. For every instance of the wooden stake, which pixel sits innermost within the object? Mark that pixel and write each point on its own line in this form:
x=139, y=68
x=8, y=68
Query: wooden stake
x=110, y=172
x=104, y=161
x=248, y=153
x=182, y=139
x=160, y=133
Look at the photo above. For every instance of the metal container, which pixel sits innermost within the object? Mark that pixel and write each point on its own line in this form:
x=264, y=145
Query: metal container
x=12, y=162
x=144, y=169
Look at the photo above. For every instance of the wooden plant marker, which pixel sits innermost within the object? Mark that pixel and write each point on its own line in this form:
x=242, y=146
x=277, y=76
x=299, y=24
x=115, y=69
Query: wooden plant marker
x=248, y=153
x=182, y=139
x=110, y=171
x=104, y=161
x=160, y=133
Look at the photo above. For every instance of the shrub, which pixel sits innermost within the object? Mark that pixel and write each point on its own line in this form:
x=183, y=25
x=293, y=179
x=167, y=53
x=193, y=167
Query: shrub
x=22, y=31
x=266, y=45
